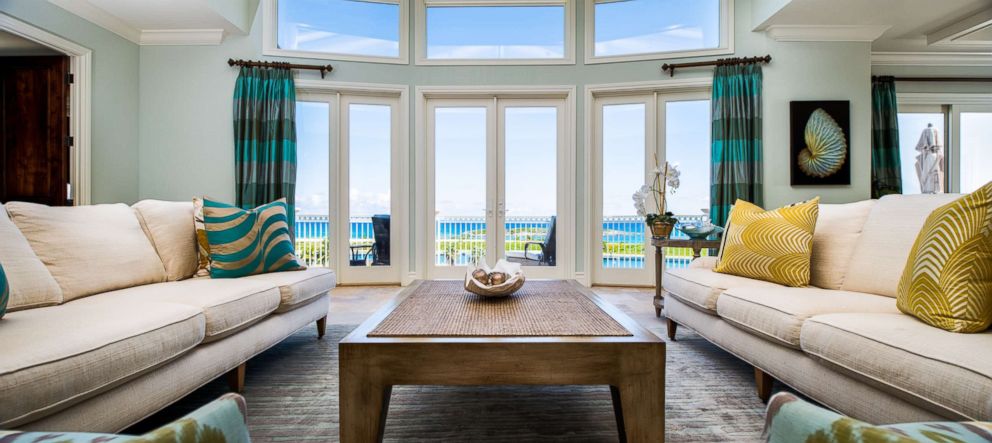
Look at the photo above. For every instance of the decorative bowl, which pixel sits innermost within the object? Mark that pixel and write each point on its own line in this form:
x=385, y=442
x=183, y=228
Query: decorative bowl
x=699, y=231
x=514, y=281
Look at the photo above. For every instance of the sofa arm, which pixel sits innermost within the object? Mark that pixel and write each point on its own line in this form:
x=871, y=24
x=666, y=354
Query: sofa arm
x=703, y=262
x=790, y=419
x=222, y=420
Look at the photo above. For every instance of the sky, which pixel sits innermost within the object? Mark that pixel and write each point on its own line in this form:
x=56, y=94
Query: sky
x=519, y=32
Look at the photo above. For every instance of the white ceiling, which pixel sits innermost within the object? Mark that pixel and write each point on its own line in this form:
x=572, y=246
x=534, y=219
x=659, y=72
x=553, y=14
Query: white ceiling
x=15, y=45
x=167, y=21
x=904, y=25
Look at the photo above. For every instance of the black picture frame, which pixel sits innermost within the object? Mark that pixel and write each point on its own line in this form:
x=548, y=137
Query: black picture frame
x=799, y=114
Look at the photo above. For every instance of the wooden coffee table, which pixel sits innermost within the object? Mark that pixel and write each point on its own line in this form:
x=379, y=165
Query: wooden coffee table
x=633, y=366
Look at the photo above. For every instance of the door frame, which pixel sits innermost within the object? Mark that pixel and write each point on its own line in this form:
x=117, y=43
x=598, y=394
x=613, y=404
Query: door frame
x=566, y=225
x=80, y=99
x=585, y=274
x=332, y=92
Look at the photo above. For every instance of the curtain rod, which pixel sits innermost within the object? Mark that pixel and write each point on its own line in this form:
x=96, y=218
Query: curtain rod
x=324, y=69
x=934, y=79
x=670, y=67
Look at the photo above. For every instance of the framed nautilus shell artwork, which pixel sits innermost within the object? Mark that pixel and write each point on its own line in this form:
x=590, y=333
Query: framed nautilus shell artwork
x=820, y=138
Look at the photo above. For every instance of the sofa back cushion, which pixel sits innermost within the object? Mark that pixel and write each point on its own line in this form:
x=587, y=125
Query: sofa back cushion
x=838, y=228
x=30, y=283
x=888, y=235
x=169, y=226
x=89, y=249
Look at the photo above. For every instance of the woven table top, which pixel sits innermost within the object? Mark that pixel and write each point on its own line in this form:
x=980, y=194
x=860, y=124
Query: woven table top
x=540, y=308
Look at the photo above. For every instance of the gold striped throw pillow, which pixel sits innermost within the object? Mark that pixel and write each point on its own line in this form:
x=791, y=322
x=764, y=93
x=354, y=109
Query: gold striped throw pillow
x=947, y=282
x=771, y=245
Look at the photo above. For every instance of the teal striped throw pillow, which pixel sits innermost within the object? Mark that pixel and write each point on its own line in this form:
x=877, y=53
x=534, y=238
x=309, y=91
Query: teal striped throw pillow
x=4, y=292
x=247, y=242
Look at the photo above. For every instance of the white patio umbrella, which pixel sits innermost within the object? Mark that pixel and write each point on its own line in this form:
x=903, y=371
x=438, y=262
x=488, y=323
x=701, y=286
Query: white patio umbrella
x=930, y=161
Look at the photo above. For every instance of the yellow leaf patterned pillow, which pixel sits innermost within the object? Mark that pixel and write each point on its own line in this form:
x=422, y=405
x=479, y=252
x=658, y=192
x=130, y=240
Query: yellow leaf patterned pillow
x=771, y=245
x=947, y=281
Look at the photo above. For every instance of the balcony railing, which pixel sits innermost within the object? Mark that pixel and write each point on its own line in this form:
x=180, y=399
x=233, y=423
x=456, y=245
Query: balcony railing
x=461, y=240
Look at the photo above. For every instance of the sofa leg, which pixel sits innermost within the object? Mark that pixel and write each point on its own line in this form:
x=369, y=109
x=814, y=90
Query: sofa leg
x=321, y=327
x=763, y=382
x=672, y=327
x=236, y=378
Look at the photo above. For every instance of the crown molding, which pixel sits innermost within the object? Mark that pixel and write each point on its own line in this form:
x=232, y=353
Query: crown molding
x=931, y=58
x=99, y=17
x=826, y=33
x=952, y=35
x=168, y=37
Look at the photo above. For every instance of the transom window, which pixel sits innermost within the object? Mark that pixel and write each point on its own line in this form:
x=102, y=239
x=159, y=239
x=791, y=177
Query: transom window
x=495, y=32
x=361, y=30
x=622, y=30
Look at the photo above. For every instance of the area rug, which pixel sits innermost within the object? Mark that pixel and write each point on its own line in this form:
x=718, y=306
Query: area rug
x=292, y=397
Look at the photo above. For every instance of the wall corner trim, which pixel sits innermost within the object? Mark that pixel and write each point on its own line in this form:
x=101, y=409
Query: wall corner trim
x=826, y=33
x=171, y=37
x=99, y=17
x=931, y=59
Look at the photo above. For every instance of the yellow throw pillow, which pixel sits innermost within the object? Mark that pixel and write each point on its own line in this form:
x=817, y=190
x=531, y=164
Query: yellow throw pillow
x=947, y=282
x=771, y=245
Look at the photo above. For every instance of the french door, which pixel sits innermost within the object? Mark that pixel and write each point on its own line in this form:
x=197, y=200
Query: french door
x=496, y=184
x=347, y=181
x=634, y=134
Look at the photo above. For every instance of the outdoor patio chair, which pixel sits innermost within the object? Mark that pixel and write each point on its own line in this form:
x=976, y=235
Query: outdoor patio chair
x=379, y=250
x=545, y=256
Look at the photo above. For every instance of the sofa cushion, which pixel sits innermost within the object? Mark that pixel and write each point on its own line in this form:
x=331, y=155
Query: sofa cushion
x=838, y=228
x=778, y=313
x=169, y=226
x=298, y=287
x=89, y=249
x=700, y=287
x=947, y=282
x=31, y=285
x=883, y=247
x=929, y=366
x=246, y=242
x=773, y=245
x=56, y=356
x=228, y=305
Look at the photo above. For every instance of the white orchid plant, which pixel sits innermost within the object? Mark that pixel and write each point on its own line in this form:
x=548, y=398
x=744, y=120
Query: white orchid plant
x=666, y=180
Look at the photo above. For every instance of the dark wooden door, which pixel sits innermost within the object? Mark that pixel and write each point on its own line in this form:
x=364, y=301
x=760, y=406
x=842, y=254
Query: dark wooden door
x=34, y=129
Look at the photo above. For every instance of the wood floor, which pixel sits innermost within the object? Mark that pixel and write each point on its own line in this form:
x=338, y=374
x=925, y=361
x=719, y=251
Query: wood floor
x=350, y=305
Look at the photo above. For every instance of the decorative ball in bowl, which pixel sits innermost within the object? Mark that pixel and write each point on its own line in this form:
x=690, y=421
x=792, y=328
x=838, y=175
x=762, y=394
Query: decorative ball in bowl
x=700, y=231
x=501, y=281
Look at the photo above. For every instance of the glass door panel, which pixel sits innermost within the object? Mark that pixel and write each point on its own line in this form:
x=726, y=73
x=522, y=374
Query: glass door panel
x=461, y=199
x=312, y=182
x=686, y=127
x=369, y=188
x=624, y=138
x=976, y=150
x=922, y=151
x=530, y=156
x=368, y=181
x=623, y=154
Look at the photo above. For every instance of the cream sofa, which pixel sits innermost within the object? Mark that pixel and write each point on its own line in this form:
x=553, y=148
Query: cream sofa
x=106, y=325
x=842, y=341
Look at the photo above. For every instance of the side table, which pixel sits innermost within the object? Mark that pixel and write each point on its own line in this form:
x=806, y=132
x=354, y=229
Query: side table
x=659, y=261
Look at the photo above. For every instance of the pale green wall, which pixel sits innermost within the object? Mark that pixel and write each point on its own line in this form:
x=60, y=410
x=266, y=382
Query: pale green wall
x=186, y=141
x=115, y=96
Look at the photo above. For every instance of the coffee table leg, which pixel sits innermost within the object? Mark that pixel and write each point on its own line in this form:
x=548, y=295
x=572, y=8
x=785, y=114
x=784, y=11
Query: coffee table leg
x=639, y=401
x=363, y=401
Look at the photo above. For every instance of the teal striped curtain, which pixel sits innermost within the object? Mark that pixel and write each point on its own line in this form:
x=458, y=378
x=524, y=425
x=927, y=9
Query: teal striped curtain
x=885, y=167
x=265, y=138
x=736, y=139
